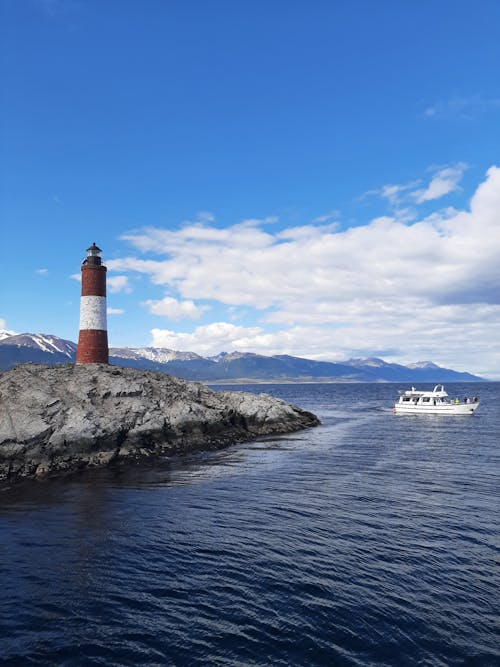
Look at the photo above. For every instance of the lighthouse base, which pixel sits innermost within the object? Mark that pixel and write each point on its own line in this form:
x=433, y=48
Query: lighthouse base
x=92, y=347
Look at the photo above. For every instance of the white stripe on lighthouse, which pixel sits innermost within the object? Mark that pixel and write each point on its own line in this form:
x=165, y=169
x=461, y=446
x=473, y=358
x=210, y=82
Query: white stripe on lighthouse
x=93, y=312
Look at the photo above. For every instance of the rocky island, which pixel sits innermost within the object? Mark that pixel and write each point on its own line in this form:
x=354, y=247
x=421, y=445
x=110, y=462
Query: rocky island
x=70, y=417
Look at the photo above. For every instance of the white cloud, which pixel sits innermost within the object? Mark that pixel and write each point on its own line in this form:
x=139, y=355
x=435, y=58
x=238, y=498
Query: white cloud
x=174, y=309
x=304, y=232
x=42, y=272
x=395, y=194
x=411, y=290
x=446, y=180
x=115, y=284
x=396, y=334
x=118, y=284
x=326, y=217
x=4, y=332
x=115, y=311
x=152, y=239
x=207, y=340
x=461, y=107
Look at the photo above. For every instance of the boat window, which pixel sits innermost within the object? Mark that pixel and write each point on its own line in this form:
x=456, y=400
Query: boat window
x=425, y=399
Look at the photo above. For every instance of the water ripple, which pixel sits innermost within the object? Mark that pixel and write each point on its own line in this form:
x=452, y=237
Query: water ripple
x=371, y=540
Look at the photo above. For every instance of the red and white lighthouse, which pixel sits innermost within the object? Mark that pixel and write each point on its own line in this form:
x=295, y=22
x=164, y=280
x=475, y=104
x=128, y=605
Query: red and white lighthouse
x=93, y=338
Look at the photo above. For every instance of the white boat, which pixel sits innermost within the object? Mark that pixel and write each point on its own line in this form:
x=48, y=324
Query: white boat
x=435, y=402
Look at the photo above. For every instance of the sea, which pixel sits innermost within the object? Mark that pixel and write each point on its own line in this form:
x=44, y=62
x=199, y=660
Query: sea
x=373, y=539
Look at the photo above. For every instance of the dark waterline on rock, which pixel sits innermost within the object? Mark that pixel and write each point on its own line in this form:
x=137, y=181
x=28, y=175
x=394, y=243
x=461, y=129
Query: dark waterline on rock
x=370, y=540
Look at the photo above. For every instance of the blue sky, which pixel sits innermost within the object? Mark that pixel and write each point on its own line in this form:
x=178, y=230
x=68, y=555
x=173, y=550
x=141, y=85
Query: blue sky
x=313, y=178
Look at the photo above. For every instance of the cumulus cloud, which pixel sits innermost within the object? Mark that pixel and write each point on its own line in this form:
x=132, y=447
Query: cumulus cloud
x=174, y=309
x=420, y=289
x=155, y=240
x=115, y=284
x=4, y=332
x=207, y=340
x=115, y=311
x=118, y=284
x=404, y=335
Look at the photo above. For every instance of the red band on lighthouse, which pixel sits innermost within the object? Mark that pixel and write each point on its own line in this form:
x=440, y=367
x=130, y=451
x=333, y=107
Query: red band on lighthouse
x=93, y=338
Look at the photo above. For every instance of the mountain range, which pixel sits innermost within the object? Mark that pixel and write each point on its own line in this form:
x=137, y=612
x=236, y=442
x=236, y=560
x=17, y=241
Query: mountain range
x=226, y=367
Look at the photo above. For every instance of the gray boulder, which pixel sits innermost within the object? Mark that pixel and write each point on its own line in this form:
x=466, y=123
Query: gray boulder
x=65, y=418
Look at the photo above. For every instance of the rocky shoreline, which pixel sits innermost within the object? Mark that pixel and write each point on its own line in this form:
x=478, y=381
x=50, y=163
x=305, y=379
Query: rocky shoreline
x=56, y=419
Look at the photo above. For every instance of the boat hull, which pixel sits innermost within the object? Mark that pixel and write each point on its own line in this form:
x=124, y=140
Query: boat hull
x=460, y=409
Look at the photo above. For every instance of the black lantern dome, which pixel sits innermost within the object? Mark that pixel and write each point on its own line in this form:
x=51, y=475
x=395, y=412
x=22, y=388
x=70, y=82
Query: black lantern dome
x=93, y=255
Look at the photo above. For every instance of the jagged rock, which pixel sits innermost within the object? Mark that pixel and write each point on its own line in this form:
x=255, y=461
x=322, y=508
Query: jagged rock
x=69, y=417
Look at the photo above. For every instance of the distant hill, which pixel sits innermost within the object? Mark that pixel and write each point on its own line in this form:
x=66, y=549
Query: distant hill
x=225, y=367
x=35, y=348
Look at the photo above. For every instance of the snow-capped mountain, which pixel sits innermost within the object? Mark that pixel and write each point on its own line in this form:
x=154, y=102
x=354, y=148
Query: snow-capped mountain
x=35, y=348
x=5, y=333
x=224, y=357
x=46, y=343
x=161, y=355
x=227, y=366
x=423, y=364
x=374, y=362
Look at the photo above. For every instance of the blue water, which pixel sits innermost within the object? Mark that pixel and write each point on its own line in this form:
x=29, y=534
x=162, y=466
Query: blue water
x=371, y=540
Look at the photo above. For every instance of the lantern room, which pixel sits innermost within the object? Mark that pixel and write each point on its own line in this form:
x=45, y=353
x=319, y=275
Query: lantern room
x=93, y=255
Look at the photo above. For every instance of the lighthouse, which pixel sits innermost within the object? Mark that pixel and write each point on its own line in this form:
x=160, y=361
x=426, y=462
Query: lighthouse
x=93, y=338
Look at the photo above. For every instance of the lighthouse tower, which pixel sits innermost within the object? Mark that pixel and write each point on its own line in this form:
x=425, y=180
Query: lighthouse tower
x=93, y=338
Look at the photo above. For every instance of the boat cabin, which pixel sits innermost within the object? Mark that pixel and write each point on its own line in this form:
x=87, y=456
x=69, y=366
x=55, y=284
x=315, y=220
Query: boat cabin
x=435, y=397
x=422, y=399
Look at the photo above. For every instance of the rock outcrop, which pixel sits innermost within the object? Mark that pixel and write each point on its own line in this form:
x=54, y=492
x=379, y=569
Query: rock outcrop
x=64, y=418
